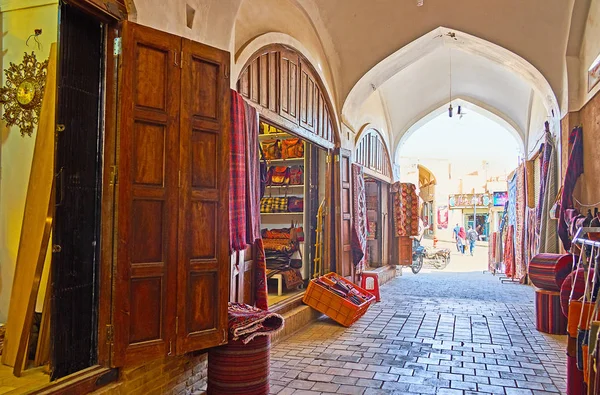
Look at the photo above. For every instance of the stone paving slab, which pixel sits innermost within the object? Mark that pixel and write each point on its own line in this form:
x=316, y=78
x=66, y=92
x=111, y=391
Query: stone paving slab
x=433, y=333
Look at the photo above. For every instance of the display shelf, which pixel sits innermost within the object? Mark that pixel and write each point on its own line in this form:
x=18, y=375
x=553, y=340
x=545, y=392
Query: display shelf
x=273, y=214
x=286, y=186
x=274, y=135
x=289, y=160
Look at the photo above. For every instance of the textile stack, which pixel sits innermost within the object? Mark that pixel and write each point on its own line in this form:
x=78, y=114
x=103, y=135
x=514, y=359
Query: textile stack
x=548, y=273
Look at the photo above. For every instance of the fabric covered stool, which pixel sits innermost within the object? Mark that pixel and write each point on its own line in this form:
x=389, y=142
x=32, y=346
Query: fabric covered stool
x=549, y=317
x=239, y=368
x=242, y=366
x=548, y=271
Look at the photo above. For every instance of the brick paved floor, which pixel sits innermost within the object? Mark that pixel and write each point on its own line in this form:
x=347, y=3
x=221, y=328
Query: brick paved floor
x=435, y=332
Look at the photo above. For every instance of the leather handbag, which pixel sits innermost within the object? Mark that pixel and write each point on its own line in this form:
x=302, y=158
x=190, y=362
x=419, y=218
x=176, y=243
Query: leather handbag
x=555, y=209
x=297, y=175
x=273, y=205
x=279, y=175
x=292, y=148
x=266, y=205
x=295, y=204
x=272, y=149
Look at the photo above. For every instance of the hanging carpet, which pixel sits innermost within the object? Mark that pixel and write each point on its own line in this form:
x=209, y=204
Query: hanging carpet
x=520, y=235
x=547, y=227
x=574, y=170
x=237, y=175
x=509, y=252
x=406, y=209
x=359, y=219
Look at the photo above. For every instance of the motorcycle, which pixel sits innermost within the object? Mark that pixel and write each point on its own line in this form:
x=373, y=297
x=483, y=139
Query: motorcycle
x=418, y=254
x=440, y=257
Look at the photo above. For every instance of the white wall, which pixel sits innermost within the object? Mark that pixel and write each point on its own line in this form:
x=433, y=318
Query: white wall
x=17, y=152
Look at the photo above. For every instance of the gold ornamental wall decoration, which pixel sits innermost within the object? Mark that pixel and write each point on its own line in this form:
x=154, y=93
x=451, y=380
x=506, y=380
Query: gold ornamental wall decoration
x=23, y=92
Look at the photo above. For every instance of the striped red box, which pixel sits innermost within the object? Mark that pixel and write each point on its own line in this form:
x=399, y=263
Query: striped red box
x=549, y=317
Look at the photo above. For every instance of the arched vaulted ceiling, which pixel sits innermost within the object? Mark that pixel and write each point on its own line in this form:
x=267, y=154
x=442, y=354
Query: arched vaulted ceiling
x=349, y=38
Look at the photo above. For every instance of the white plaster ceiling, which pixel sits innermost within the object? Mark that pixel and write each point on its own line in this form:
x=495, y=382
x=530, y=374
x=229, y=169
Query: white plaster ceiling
x=424, y=86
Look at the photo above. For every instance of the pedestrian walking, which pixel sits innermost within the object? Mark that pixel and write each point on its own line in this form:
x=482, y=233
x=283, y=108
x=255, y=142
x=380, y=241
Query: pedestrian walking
x=472, y=237
x=455, y=236
x=462, y=240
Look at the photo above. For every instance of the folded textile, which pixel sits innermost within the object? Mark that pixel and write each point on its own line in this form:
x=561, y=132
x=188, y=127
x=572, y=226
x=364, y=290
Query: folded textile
x=247, y=322
x=291, y=278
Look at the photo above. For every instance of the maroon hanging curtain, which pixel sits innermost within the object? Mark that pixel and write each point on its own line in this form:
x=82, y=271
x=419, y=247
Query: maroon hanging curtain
x=574, y=170
x=237, y=175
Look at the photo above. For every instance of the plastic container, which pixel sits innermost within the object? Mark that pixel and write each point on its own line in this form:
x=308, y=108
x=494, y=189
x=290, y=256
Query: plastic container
x=336, y=307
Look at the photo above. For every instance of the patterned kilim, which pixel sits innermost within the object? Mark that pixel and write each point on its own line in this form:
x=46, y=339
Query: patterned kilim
x=359, y=219
x=520, y=263
x=548, y=314
x=406, y=209
x=509, y=252
x=292, y=278
x=548, y=271
x=237, y=175
x=239, y=368
x=247, y=322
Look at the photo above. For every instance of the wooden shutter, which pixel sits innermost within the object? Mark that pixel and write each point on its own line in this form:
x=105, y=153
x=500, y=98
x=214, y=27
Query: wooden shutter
x=145, y=297
x=203, y=286
x=309, y=95
x=343, y=215
x=288, y=104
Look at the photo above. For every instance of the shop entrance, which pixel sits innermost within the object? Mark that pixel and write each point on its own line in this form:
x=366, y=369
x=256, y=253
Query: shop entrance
x=295, y=189
x=378, y=228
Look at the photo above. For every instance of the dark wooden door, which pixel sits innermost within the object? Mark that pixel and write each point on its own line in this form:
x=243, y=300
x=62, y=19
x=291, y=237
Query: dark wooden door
x=203, y=286
x=145, y=285
x=76, y=231
x=343, y=215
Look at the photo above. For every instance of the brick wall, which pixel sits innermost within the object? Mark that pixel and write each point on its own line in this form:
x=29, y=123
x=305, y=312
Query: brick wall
x=182, y=375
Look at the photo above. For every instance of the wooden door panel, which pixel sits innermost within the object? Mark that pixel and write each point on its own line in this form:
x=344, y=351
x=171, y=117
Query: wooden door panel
x=308, y=99
x=145, y=302
x=289, y=69
x=344, y=264
x=203, y=285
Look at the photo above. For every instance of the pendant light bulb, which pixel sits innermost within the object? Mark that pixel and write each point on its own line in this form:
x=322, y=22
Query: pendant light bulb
x=450, y=110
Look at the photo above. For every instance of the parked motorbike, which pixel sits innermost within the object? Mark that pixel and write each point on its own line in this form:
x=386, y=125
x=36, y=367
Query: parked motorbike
x=439, y=257
x=418, y=254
